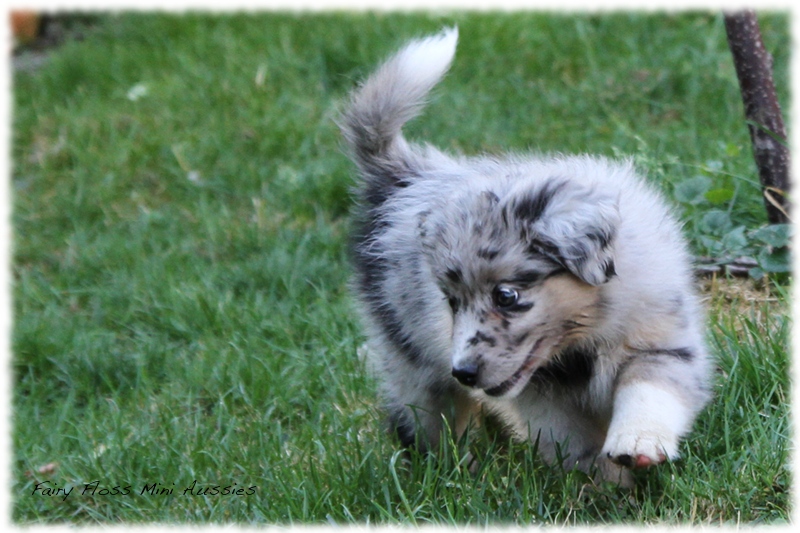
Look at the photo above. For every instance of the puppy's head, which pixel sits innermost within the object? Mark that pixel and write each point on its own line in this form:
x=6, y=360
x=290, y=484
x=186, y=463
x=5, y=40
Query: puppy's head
x=521, y=276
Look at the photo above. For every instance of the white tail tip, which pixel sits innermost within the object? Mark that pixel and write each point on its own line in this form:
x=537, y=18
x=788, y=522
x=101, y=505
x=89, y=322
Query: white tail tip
x=429, y=58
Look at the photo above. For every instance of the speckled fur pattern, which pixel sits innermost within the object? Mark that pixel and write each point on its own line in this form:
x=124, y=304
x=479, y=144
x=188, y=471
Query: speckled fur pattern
x=553, y=292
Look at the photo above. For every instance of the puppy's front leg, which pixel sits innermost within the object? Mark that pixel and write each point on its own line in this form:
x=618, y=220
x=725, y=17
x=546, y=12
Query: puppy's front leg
x=647, y=424
x=657, y=397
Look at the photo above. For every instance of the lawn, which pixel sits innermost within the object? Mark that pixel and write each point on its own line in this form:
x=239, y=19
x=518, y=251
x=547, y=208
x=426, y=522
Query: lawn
x=184, y=343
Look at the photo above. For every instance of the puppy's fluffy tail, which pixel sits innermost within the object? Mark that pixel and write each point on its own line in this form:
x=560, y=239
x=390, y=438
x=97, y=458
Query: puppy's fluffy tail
x=392, y=96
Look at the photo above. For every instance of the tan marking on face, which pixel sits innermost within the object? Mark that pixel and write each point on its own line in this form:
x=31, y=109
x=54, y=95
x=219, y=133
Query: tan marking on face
x=564, y=310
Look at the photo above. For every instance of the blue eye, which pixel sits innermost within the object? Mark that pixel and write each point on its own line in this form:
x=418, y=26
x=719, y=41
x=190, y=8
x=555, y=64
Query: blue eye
x=504, y=297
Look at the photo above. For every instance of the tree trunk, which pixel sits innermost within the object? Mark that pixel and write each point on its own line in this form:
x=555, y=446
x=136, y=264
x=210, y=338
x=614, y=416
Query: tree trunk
x=762, y=112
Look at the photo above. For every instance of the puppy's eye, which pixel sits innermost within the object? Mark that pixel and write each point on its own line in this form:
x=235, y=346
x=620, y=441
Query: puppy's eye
x=453, y=303
x=504, y=297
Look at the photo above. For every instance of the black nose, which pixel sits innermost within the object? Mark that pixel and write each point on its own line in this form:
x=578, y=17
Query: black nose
x=467, y=374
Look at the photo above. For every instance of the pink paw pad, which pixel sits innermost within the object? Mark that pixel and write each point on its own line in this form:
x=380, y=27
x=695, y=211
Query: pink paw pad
x=642, y=461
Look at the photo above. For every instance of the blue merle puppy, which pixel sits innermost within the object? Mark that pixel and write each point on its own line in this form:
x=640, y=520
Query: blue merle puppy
x=555, y=293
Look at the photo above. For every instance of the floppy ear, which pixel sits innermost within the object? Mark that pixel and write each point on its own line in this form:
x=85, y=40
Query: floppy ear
x=573, y=225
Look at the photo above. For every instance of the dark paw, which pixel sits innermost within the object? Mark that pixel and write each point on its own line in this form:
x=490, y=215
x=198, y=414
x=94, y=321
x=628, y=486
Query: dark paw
x=623, y=460
x=640, y=461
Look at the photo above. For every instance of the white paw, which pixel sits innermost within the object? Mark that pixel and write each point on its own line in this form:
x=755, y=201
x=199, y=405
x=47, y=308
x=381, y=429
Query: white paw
x=646, y=426
x=640, y=449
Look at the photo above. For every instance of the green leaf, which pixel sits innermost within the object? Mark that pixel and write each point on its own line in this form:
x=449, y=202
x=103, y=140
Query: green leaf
x=732, y=150
x=719, y=196
x=775, y=235
x=716, y=222
x=735, y=240
x=692, y=190
x=778, y=260
x=712, y=244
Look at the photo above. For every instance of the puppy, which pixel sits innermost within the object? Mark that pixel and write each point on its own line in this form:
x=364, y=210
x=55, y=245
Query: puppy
x=554, y=293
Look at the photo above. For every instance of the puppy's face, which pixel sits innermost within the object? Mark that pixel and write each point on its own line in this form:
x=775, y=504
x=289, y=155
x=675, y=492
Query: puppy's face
x=510, y=326
x=521, y=279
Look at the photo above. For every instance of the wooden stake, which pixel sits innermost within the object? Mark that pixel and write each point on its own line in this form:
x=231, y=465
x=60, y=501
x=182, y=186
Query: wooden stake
x=762, y=113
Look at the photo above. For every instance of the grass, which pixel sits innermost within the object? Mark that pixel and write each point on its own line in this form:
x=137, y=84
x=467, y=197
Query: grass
x=181, y=314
